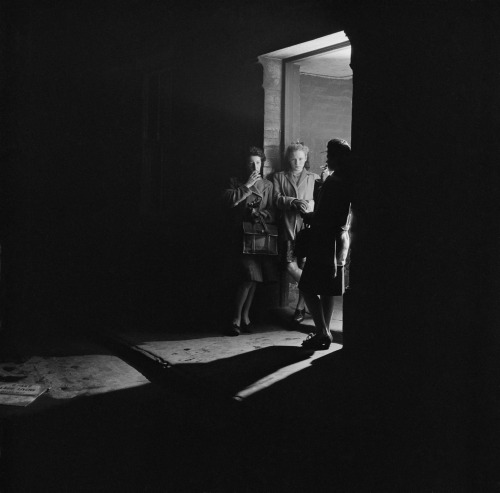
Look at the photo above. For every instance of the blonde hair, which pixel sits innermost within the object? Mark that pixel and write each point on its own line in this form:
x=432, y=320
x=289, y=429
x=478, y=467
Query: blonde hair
x=293, y=147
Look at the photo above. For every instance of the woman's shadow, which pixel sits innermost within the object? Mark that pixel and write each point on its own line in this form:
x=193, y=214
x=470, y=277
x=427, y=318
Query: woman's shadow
x=232, y=375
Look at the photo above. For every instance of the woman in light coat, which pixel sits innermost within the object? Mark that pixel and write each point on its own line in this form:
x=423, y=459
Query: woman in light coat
x=293, y=195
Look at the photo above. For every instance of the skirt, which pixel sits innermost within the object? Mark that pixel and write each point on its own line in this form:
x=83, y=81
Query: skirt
x=259, y=268
x=318, y=279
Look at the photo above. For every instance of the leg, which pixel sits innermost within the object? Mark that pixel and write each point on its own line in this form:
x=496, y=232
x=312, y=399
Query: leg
x=241, y=297
x=300, y=301
x=327, y=303
x=313, y=302
x=248, y=303
x=323, y=337
x=300, y=310
x=294, y=270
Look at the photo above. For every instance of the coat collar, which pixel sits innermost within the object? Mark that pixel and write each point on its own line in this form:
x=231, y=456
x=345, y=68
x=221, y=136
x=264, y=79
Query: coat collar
x=302, y=178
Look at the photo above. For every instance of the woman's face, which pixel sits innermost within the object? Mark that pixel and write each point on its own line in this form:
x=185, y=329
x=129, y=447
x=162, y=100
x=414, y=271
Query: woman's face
x=297, y=161
x=254, y=163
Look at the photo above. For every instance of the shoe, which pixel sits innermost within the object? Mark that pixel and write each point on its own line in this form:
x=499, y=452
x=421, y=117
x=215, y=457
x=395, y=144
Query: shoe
x=298, y=316
x=246, y=328
x=317, y=342
x=234, y=330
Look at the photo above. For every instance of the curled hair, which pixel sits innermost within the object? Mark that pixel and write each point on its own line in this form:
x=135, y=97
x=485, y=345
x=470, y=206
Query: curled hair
x=257, y=151
x=293, y=147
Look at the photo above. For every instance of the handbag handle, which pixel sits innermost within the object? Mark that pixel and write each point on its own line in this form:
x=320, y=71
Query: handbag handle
x=264, y=226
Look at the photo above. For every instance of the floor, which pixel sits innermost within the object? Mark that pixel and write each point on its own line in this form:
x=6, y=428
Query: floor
x=71, y=368
x=122, y=411
x=204, y=413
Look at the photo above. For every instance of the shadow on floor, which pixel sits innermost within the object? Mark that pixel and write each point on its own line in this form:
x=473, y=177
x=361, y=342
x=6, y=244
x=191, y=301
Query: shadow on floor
x=343, y=424
x=134, y=440
x=235, y=373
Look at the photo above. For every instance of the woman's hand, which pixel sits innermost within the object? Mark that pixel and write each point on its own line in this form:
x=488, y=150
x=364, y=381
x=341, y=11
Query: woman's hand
x=255, y=215
x=325, y=173
x=253, y=178
x=301, y=205
x=307, y=218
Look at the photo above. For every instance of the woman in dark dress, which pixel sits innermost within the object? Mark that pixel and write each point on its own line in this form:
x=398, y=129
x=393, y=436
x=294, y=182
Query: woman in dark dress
x=323, y=274
x=249, y=196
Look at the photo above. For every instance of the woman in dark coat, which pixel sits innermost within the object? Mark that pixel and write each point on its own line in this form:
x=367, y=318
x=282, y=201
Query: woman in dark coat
x=250, y=198
x=323, y=274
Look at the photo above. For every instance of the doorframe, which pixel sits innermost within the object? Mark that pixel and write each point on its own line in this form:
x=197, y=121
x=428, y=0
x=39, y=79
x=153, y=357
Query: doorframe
x=279, y=83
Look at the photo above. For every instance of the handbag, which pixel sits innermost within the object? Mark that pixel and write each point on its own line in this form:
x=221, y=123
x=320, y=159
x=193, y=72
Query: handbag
x=302, y=240
x=260, y=238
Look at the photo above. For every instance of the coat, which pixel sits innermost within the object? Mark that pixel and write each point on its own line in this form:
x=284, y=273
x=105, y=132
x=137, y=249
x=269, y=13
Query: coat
x=237, y=195
x=285, y=192
x=329, y=240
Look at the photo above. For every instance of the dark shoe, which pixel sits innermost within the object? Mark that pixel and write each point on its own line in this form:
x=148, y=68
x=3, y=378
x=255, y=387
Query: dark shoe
x=246, y=328
x=298, y=316
x=317, y=342
x=234, y=330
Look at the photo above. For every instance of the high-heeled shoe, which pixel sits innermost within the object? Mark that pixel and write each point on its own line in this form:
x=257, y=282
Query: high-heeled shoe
x=233, y=330
x=298, y=316
x=317, y=342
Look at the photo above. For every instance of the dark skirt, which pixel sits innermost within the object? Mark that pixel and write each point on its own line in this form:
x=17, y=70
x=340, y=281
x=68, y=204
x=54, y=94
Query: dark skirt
x=318, y=279
x=259, y=268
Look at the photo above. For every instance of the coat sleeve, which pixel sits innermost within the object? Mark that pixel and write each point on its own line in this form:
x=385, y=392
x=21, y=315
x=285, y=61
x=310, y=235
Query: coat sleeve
x=235, y=193
x=267, y=206
x=281, y=201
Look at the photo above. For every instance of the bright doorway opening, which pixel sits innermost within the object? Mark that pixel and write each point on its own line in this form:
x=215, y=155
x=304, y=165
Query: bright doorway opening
x=308, y=91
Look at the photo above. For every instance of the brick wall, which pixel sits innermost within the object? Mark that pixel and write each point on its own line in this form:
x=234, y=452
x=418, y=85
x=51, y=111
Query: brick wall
x=325, y=113
x=272, y=112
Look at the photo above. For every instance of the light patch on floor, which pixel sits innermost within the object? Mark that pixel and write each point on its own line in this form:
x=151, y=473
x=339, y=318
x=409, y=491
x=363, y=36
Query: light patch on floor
x=78, y=375
x=245, y=364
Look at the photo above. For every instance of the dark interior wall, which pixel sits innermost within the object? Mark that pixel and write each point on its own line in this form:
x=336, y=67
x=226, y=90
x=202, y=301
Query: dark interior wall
x=72, y=186
x=76, y=250
x=423, y=271
x=430, y=158
x=325, y=113
x=424, y=263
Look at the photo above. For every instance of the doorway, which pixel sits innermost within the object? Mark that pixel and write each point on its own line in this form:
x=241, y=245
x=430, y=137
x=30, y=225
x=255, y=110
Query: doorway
x=308, y=92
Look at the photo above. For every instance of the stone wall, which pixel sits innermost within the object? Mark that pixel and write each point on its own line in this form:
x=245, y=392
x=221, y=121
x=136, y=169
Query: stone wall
x=325, y=113
x=272, y=112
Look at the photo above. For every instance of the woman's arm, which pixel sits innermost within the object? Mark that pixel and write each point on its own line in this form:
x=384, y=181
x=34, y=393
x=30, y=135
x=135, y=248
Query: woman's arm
x=267, y=210
x=333, y=204
x=235, y=193
x=282, y=201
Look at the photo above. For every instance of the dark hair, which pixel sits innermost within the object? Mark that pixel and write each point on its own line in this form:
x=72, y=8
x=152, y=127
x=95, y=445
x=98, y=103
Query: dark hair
x=338, y=147
x=255, y=151
x=338, y=150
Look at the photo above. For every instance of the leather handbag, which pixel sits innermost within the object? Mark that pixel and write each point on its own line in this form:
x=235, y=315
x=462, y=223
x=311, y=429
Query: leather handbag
x=260, y=238
x=302, y=240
